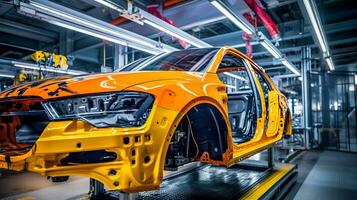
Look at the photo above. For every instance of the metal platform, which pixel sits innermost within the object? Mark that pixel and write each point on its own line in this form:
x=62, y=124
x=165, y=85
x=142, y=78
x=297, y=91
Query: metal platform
x=249, y=180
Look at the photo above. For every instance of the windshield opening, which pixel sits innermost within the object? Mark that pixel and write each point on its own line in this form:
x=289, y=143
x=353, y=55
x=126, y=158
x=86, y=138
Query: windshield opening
x=195, y=60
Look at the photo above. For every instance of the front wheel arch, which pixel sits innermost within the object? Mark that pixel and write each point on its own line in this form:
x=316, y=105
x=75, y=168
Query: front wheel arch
x=213, y=105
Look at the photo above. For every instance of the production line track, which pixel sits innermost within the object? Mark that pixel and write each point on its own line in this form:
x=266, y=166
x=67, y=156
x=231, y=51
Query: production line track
x=244, y=181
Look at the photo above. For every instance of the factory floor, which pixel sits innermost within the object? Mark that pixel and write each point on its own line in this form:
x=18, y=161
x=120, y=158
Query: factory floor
x=322, y=175
x=333, y=176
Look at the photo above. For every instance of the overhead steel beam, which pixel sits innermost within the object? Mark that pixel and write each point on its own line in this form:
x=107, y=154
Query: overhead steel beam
x=18, y=42
x=76, y=21
x=227, y=9
x=24, y=65
x=27, y=31
x=188, y=15
x=192, y=14
x=161, y=25
x=285, y=76
x=311, y=13
x=235, y=38
x=294, y=32
x=140, y=16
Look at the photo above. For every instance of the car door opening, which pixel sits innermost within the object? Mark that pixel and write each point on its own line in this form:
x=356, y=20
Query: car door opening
x=241, y=99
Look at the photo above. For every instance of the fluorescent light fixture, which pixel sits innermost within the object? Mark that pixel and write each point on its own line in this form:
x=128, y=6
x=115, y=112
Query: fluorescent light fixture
x=161, y=25
x=109, y=4
x=68, y=18
x=95, y=26
x=234, y=76
x=271, y=48
x=243, y=44
x=82, y=30
x=48, y=69
x=312, y=13
x=7, y=76
x=230, y=86
x=330, y=63
x=291, y=67
x=101, y=36
x=237, y=19
x=199, y=44
x=287, y=76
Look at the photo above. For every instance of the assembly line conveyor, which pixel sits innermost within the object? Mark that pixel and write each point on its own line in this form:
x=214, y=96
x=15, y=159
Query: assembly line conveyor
x=249, y=179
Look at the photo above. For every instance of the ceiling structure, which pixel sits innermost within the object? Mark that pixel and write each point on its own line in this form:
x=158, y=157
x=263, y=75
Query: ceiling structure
x=21, y=35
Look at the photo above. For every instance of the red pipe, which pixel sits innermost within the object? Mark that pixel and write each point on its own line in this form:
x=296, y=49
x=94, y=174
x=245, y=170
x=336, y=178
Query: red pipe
x=246, y=37
x=264, y=18
x=155, y=9
x=167, y=4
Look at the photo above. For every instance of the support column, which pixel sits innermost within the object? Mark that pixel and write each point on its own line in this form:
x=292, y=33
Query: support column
x=120, y=56
x=306, y=98
x=103, y=57
x=65, y=42
x=66, y=45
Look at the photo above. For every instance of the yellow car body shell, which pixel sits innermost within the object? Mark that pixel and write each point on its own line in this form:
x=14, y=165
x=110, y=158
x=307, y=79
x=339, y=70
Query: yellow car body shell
x=140, y=162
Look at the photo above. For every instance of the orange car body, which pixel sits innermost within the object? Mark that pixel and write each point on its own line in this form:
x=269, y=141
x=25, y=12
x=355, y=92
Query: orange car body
x=140, y=151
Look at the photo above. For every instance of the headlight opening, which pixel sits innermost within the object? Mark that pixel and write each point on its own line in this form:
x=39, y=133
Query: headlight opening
x=122, y=109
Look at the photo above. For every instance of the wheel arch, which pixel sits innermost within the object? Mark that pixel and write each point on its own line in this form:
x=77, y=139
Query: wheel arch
x=184, y=111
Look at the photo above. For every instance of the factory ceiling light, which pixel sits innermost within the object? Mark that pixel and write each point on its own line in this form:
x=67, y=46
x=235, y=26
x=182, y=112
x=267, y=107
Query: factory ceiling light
x=7, y=76
x=173, y=31
x=65, y=17
x=110, y=4
x=161, y=25
x=47, y=69
x=265, y=42
x=271, y=48
x=101, y=36
x=236, y=18
x=291, y=67
x=234, y=76
x=318, y=30
x=224, y=7
x=330, y=63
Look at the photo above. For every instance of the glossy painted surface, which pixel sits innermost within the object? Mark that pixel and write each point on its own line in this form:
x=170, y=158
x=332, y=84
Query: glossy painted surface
x=175, y=93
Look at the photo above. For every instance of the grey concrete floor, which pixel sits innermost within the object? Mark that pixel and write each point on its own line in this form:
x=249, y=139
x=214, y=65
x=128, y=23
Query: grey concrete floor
x=35, y=186
x=334, y=176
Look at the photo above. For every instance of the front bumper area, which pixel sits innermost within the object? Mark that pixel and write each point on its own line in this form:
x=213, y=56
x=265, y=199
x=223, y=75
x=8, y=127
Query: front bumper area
x=138, y=162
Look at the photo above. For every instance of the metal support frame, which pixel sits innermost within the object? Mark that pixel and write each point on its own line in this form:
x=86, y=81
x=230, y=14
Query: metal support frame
x=306, y=100
x=120, y=56
x=271, y=157
x=95, y=188
x=127, y=196
x=70, y=19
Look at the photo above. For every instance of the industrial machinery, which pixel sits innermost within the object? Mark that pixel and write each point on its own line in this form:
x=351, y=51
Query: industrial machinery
x=50, y=59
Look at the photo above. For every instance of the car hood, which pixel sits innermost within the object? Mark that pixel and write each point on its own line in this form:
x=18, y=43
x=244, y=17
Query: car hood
x=88, y=84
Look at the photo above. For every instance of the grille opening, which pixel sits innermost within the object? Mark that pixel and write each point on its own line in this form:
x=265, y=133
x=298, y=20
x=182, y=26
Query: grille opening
x=87, y=157
x=21, y=123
